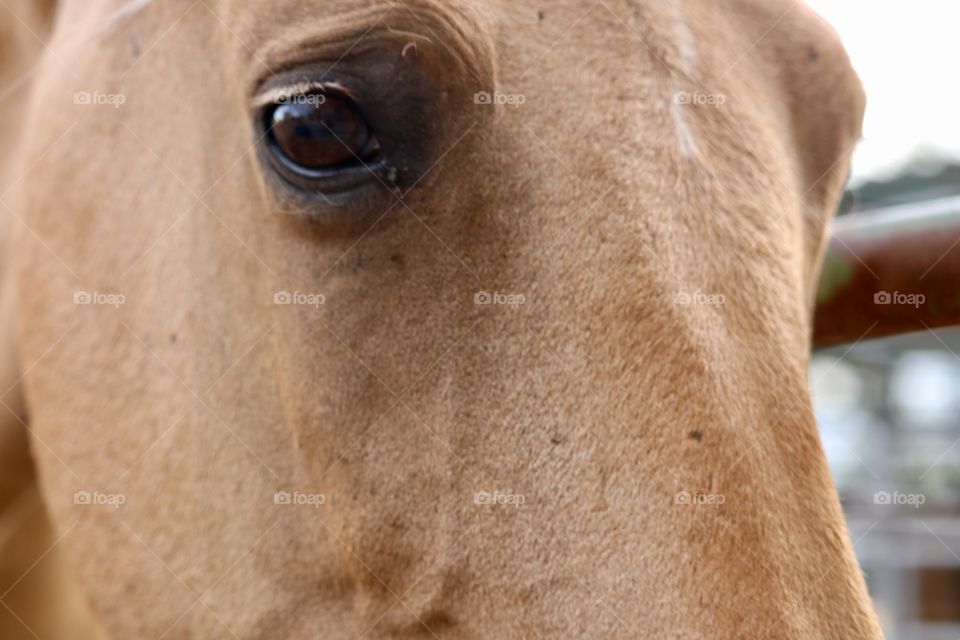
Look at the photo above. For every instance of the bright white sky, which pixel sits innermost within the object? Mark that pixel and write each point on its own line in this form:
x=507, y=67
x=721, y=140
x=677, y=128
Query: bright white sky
x=907, y=53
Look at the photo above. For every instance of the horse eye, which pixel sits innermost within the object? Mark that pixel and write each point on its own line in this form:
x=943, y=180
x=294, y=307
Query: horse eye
x=317, y=132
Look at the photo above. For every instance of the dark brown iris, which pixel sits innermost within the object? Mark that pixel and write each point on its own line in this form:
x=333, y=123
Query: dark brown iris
x=320, y=131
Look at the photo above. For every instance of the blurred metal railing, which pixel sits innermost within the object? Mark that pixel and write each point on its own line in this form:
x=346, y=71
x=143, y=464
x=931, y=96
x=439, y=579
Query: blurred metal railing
x=890, y=271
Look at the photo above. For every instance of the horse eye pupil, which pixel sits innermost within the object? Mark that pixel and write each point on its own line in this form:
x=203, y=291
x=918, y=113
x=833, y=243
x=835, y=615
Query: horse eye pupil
x=319, y=131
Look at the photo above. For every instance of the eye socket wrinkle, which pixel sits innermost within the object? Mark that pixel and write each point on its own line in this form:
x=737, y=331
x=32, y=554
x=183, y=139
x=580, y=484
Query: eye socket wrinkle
x=453, y=41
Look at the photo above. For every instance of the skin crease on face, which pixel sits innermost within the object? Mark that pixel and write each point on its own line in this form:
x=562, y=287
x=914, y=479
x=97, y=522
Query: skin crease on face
x=656, y=206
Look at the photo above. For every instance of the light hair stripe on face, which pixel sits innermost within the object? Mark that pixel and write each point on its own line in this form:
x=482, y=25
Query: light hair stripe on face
x=686, y=48
x=127, y=9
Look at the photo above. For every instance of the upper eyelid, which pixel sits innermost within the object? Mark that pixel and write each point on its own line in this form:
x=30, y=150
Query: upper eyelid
x=274, y=95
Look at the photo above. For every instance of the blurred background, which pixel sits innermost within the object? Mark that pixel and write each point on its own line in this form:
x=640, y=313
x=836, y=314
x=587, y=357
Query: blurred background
x=889, y=410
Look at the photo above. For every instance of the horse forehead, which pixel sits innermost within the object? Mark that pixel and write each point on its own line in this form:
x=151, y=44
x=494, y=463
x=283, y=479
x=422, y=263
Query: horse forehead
x=663, y=21
x=666, y=31
x=578, y=21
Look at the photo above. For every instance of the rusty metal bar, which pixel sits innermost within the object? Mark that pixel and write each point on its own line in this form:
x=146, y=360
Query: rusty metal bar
x=896, y=270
